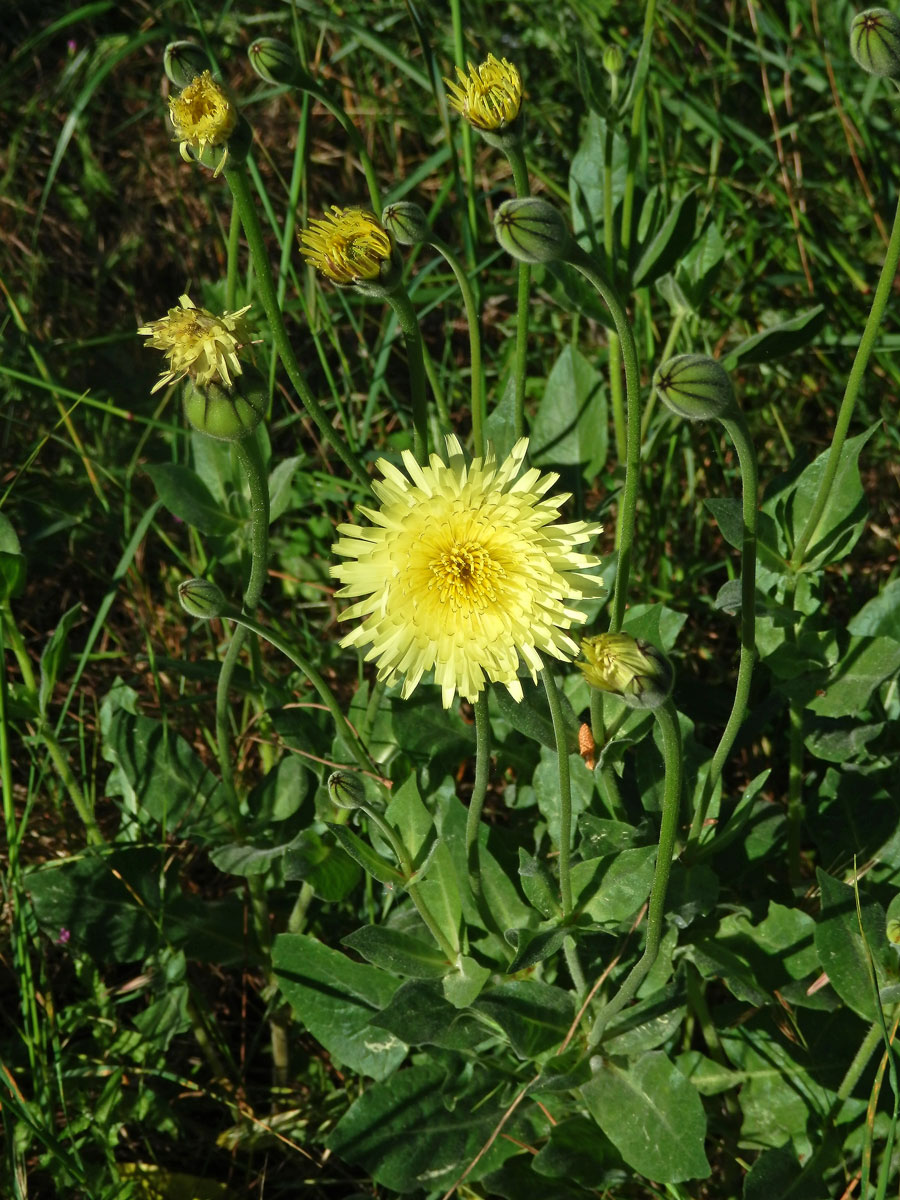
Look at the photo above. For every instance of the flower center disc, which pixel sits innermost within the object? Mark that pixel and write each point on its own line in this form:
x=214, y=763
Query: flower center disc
x=465, y=576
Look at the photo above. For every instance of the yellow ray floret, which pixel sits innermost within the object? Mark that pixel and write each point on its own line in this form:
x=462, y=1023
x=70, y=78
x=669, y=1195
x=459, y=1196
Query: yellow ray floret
x=466, y=571
x=489, y=96
x=346, y=244
x=203, y=115
x=198, y=343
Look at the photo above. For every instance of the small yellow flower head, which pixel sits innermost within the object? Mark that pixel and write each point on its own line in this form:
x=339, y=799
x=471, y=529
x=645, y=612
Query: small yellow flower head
x=198, y=343
x=632, y=669
x=349, y=246
x=489, y=96
x=203, y=115
x=465, y=570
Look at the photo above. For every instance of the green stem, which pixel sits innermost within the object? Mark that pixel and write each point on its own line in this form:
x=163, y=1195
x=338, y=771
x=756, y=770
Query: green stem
x=609, y=234
x=353, y=133
x=468, y=295
x=344, y=729
x=740, y=434
x=628, y=505
x=854, y=381
x=565, y=789
x=70, y=783
x=251, y=468
x=234, y=237
x=637, y=121
x=795, y=790
x=240, y=190
x=412, y=335
x=667, y=718
x=479, y=791
x=516, y=156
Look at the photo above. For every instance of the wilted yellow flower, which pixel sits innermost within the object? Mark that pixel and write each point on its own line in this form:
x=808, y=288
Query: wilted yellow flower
x=490, y=96
x=198, y=343
x=632, y=669
x=203, y=115
x=465, y=570
x=347, y=244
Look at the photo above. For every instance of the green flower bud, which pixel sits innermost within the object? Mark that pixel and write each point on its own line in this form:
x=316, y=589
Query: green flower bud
x=228, y=414
x=407, y=223
x=613, y=59
x=277, y=62
x=632, y=669
x=201, y=599
x=696, y=387
x=532, y=230
x=893, y=932
x=875, y=42
x=183, y=61
x=346, y=790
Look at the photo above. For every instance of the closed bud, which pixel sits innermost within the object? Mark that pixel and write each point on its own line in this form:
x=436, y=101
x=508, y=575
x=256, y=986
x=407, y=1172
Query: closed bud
x=201, y=599
x=613, y=60
x=875, y=42
x=184, y=61
x=407, y=223
x=628, y=667
x=277, y=62
x=696, y=387
x=226, y=413
x=532, y=230
x=346, y=790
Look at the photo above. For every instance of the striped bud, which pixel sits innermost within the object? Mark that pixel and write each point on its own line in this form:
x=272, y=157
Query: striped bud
x=407, y=222
x=696, y=387
x=532, y=230
x=875, y=42
x=228, y=414
x=201, y=599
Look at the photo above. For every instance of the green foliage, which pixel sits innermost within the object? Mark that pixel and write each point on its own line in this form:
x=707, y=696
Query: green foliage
x=486, y=978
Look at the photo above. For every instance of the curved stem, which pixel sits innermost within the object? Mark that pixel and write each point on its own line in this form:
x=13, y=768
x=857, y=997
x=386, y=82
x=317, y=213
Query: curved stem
x=412, y=335
x=516, y=157
x=565, y=790
x=344, y=727
x=240, y=189
x=472, y=318
x=740, y=435
x=582, y=262
x=667, y=718
x=476, y=803
x=854, y=380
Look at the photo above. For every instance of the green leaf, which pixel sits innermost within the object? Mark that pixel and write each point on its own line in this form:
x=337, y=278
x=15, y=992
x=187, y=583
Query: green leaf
x=464, y=983
x=668, y=244
x=534, y=1016
x=398, y=952
x=653, y=1115
x=645, y=1025
x=187, y=497
x=335, y=999
x=840, y=945
x=538, y=885
x=407, y=1139
x=655, y=623
x=533, y=946
x=530, y=716
x=161, y=777
x=774, y=1173
x=249, y=858
x=54, y=655
x=281, y=793
x=601, y=837
x=324, y=865
x=866, y=663
x=430, y=734
x=587, y=176
x=546, y=789
x=12, y=575
x=408, y=815
x=777, y=340
x=845, y=513
x=716, y=961
x=280, y=486
x=379, y=868
x=570, y=426
x=440, y=891
x=418, y=1013
x=575, y=1151
x=881, y=616
x=612, y=889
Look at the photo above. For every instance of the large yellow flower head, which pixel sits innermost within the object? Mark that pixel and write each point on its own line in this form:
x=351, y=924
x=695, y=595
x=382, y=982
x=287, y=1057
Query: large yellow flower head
x=465, y=570
x=198, y=343
x=203, y=115
x=348, y=245
x=489, y=96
